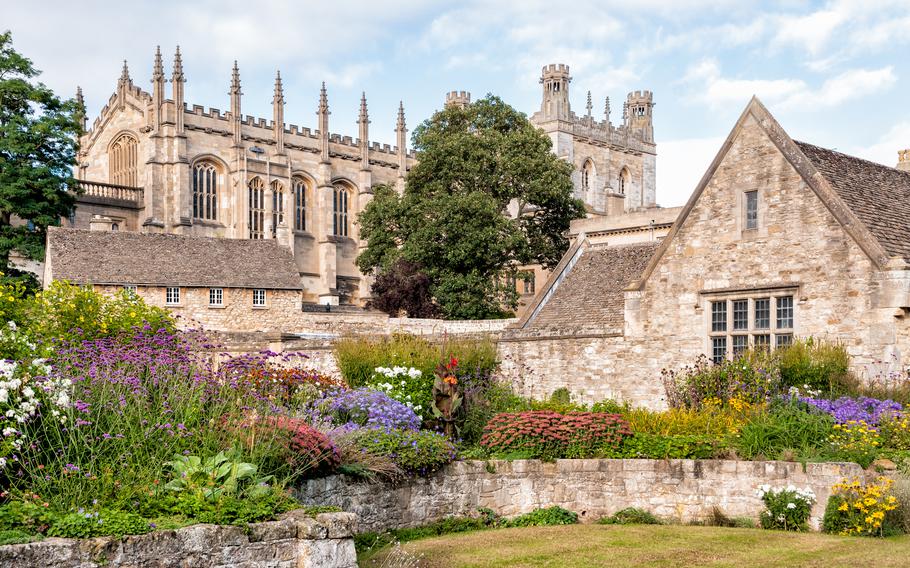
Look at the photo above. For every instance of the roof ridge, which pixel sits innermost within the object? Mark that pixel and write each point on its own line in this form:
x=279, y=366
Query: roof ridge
x=852, y=157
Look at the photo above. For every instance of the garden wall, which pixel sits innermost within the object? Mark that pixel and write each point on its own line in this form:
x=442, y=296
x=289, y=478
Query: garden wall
x=297, y=541
x=682, y=490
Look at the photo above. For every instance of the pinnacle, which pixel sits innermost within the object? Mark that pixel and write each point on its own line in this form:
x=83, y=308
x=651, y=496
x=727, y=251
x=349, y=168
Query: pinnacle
x=125, y=74
x=323, y=99
x=279, y=89
x=158, y=67
x=235, y=80
x=178, y=67
x=363, y=107
x=401, y=123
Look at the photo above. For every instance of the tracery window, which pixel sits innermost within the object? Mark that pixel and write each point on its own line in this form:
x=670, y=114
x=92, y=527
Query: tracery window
x=205, y=190
x=277, y=206
x=340, y=208
x=123, y=158
x=257, y=208
x=299, y=189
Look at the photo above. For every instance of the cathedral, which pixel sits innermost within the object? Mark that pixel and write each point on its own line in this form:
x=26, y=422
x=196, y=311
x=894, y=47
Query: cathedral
x=153, y=163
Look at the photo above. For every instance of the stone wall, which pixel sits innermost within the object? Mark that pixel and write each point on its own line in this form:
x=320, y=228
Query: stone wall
x=681, y=490
x=296, y=541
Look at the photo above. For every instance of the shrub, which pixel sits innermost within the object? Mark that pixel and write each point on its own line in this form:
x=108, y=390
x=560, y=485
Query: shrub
x=482, y=403
x=415, y=452
x=366, y=407
x=855, y=441
x=894, y=430
x=654, y=446
x=88, y=524
x=815, y=364
x=861, y=509
x=310, y=453
x=65, y=311
x=712, y=421
x=786, y=508
x=550, y=435
x=551, y=516
x=752, y=377
x=630, y=516
x=785, y=427
x=407, y=385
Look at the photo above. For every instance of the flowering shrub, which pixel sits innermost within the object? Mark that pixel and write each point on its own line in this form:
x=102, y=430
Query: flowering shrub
x=786, y=508
x=859, y=509
x=894, y=431
x=415, y=452
x=856, y=441
x=845, y=409
x=407, y=385
x=753, y=378
x=311, y=453
x=366, y=407
x=550, y=435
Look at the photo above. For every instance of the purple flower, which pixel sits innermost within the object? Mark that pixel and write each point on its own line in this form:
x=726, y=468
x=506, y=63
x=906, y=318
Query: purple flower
x=864, y=408
x=365, y=407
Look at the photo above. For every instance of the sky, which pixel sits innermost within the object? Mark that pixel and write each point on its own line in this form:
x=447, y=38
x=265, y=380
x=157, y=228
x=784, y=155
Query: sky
x=835, y=74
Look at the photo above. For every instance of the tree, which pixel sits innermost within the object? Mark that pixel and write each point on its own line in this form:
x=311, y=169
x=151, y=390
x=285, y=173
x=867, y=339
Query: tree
x=404, y=287
x=486, y=196
x=38, y=143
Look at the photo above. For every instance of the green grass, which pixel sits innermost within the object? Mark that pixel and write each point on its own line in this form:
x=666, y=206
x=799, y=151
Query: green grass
x=581, y=546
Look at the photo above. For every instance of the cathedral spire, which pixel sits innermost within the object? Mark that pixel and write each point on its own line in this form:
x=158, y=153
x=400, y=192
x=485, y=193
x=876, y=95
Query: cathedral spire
x=401, y=135
x=607, y=110
x=589, y=106
x=177, y=82
x=125, y=78
x=363, y=122
x=157, y=91
x=158, y=67
x=323, y=113
x=235, y=104
x=278, y=114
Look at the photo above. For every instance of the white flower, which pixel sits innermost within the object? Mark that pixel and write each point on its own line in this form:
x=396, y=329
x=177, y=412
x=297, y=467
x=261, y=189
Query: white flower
x=791, y=505
x=12, y=325
x=28, y=392
x=3, y=460
x=4, y=395
x=8, y=431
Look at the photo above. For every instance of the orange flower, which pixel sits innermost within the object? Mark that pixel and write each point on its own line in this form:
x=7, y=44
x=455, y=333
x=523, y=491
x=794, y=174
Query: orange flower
x=450, y=379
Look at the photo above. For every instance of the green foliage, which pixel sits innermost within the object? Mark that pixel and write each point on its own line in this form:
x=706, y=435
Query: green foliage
x=786, y=509
x=99, y=523
x=414, y=452
x=15, y=536
x=820, y=365
x=28, y=514
x=215, y=477
x=358, y=357
x=611, y=406
x=481, y=405
x=551, y=516
x=38, y=146
x=473, y=162
x=655, y=446
x=630, y=516
x=68, y=312
x=785, y=428
x=753, y=377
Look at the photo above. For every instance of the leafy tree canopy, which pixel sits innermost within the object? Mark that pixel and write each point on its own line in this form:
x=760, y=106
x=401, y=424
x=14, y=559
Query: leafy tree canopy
x=487, y=196
x=38, y=146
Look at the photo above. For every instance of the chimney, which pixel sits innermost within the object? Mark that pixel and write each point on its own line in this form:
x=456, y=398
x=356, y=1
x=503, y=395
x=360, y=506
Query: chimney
x=903, y=160
x=102, y=224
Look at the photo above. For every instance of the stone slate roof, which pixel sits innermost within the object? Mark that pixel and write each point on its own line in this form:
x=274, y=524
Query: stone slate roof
x=877, y=194
x=590, y=297
x=151, y=259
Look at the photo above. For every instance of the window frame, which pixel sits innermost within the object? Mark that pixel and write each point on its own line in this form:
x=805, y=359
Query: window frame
x=260, y=302
x=750, y=210
x=206, y=179
x=256, y=206
x=299, y=189
x=172, y=299
x=216, y=294
x=777, y=333
x=341, y=204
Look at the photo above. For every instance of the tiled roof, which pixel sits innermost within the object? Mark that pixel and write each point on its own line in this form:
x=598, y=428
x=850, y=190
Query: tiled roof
x=121, y=257
x=590, y=297
x=878, y=195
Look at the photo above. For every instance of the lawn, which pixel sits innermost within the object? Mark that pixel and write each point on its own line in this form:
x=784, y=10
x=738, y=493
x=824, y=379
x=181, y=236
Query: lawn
x=581, y=546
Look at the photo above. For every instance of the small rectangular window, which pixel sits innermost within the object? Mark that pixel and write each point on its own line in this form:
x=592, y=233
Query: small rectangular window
x=172, y=296
x=259, y=298
x=740, y=343
x=762, y=313
x=131, y=290
x=740, y=314
x=762, y=342
x=785, y=312
x=529, y=284
x=719, y=316
x=718, y=349
x=751, y=210
x=783, y=339
x=216, y=297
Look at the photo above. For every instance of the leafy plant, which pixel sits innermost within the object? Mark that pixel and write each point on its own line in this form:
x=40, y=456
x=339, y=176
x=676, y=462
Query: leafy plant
x=786, y=508
x=814, y=364
x=216, y=476
x=550, y=516
x=447, y=398
x=415, y=452
x=753, y=377
x=861, y=509
x=655, y=446
x=105, y=522
x=855, y=441
x=630, y=516
x=784, y=427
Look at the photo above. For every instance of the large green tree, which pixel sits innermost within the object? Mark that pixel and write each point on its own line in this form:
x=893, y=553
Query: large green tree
x=486, y=196
x=38, y=143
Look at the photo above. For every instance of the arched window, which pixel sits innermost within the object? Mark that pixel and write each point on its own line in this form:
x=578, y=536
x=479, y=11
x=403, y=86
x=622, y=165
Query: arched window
x=340, y=209
x=124, y=157
x=587, y=174
x=257, y=208
x=298, y=186
x=624, y=178
x=277, y=206
x=205, y=190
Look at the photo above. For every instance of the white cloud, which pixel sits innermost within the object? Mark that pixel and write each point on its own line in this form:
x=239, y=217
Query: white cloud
x=884, y=151
x=813, y=31
x=681, y=165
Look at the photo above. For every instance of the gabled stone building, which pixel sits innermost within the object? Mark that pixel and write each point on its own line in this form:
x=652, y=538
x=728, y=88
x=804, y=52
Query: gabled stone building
x=780, y=239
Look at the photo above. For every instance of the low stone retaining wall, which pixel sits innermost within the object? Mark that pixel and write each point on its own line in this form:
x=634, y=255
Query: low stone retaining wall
x=296, y=541
x=681, y=490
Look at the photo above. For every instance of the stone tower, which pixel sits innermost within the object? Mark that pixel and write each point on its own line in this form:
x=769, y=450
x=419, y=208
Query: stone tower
x=458, y=98
x=639, y=113
x=555, y=80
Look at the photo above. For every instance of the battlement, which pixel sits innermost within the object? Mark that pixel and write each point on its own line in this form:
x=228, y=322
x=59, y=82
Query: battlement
x=555, y=70
x=458, y=98
x=640, y=97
